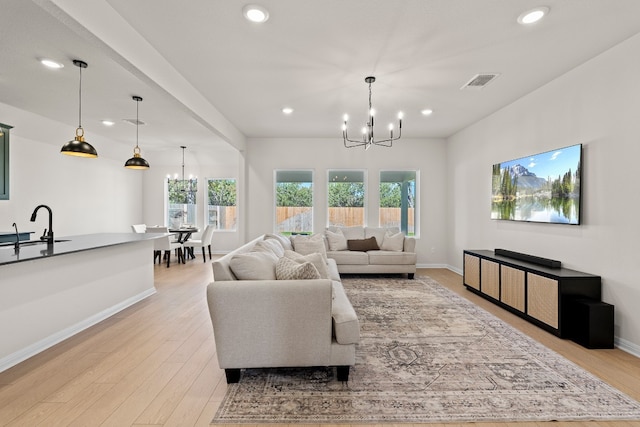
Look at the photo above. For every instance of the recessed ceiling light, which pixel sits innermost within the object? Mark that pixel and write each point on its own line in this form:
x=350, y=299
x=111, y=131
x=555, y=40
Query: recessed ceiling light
x=50, y=63
x=287, y=110
x=533, y=15
x=427, y=112
x=108, y=122
x=255, y=13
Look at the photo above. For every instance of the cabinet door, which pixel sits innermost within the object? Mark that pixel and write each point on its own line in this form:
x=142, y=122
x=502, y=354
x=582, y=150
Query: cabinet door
x=490, y=278
x=542, y=299
x=512, y=287
x=472, y=271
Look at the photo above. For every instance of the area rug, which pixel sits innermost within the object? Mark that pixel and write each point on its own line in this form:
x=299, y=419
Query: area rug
x=427, y=355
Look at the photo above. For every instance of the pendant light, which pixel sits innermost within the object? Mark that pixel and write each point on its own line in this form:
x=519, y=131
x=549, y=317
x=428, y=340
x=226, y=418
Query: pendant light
x=78, y=146
x=137, y=162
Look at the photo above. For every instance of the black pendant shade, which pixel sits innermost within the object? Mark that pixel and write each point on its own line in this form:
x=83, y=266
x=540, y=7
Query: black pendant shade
x=78, y=146
x=137, y=162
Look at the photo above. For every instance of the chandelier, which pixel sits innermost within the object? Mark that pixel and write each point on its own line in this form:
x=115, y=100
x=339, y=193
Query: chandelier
x=367, y=131
x=187, y=188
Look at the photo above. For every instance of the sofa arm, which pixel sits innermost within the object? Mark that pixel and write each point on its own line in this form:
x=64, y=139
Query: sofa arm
x=409, y=244
x=271, y=323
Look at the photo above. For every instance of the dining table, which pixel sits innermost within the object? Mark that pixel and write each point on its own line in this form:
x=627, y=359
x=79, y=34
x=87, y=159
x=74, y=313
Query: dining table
x=184, y=233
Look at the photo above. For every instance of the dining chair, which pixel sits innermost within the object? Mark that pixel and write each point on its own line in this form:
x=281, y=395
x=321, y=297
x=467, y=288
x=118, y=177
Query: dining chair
x=207, y=235
x=139, y=228
x=165, y=244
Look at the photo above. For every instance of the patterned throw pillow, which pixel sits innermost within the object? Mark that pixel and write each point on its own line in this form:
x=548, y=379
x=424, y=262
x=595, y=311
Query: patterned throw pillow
x=288, y=269
x=315, y=259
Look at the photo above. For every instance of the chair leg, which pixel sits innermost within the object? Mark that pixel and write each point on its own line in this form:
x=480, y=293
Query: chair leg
x=204, y=258
x=167, y=255
x=209, y=251
x=181, y=255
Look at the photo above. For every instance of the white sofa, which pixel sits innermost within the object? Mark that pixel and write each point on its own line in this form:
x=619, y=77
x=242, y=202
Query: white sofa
x=396, y=253
x=264, y=322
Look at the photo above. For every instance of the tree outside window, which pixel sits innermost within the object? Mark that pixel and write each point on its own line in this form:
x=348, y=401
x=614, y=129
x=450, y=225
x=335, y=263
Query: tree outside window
x=294, y=201
x=181, y=203
x=221, y=204
x=346, y=198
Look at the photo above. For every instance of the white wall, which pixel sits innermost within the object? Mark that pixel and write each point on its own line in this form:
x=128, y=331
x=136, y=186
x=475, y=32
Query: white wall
x=598, y=105
x=427, y=156
x=85, y=195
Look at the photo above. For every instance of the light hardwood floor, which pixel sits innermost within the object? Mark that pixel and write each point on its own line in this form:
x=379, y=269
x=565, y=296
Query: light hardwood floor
x=154, y=363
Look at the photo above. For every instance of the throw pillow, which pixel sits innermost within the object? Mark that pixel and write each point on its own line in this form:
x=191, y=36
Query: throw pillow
x=315, y=259
x=270, y=245
x=393, y=242
x=254, y=266
x=337, y=241
x=284, y=240
x=363, y=245
x=288, y=269
x=306, y=245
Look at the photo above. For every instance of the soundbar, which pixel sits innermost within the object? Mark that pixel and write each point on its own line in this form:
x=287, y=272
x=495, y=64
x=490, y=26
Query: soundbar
x=545, y=262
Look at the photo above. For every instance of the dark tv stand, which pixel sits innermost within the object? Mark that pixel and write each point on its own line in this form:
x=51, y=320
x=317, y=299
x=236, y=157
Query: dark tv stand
x=565, y=302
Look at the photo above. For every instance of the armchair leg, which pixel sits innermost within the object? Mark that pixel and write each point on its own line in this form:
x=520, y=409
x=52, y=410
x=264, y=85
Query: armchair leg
x=343, y=373
x=410, y=276
x=233, y=375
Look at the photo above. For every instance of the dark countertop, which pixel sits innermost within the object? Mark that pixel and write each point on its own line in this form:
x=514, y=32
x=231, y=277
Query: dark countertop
x=33, y=249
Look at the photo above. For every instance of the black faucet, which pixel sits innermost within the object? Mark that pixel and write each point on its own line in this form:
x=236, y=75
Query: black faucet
x=45, y=236
x=16, y=245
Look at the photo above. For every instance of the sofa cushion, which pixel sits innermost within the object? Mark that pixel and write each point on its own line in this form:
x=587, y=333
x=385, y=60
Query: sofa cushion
x=306, y=245
x=364, y=245
x=269, y=245
x=393, y=242
x=336, y=240
x=284, y=240
x=349, y=257
x=377, y=232
x=392, y=257
x=288, y=269
x=353, y=233
x=316, y=259
x=345, y=321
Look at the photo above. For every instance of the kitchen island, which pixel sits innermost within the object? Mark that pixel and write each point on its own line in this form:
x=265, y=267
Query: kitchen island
x=51, y=292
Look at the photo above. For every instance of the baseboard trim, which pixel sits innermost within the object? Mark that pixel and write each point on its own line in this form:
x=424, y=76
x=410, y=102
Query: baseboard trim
x=37, y=347
x=627, y=346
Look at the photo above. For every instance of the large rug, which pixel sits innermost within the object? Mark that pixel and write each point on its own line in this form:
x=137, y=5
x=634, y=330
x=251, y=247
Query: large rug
x=427, y=355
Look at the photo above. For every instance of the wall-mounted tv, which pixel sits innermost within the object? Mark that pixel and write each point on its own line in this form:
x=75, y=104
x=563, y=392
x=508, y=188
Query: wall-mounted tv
x=541, y=188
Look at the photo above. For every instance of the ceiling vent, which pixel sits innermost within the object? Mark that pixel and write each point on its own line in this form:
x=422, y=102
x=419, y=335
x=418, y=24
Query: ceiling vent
x=134, y=122
x=480, y=80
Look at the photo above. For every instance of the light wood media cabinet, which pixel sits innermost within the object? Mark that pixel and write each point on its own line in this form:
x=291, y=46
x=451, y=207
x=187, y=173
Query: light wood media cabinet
x=532, y=289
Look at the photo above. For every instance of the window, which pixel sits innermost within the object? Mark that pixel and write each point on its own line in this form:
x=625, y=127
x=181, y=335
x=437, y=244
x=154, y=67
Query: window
x=181, y=202
x=221, y=204
x=294, y=201
x=346, y=198
x=398, y=200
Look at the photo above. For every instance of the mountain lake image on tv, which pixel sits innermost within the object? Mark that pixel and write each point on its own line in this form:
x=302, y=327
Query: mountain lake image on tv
x=541, y=188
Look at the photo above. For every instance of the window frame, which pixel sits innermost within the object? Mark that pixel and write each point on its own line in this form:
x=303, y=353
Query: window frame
x=365, y=196
x=416, y=201
x=301, y=171
x=207, y=219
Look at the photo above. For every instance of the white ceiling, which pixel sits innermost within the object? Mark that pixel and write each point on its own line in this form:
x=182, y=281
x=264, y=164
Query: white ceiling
x=209, y=77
